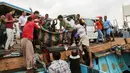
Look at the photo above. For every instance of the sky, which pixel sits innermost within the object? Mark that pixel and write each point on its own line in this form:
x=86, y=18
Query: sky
x=86, y=8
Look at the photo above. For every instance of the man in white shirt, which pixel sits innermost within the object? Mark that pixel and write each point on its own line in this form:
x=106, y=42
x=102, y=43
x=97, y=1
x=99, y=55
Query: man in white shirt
x=84, y=40
x=22, y=20
x=71, y=21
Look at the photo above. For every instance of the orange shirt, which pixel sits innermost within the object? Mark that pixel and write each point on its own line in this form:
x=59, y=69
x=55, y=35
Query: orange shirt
x=99, y=25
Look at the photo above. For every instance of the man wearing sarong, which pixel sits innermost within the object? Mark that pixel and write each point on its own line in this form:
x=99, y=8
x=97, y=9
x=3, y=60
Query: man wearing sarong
x=84, y=41
x=26, y=44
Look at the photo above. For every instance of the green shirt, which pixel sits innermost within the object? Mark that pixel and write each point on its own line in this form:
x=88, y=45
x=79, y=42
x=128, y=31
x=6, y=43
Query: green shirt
x=65, y=25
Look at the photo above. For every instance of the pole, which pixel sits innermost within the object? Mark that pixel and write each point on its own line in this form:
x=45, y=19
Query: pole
x=123, y=13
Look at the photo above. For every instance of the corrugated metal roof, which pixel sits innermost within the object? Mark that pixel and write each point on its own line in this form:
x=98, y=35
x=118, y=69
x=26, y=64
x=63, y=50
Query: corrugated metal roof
x=13, y=6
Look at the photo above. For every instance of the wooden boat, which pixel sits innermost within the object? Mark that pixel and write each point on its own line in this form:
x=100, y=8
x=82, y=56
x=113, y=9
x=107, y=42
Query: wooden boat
x=104, y=61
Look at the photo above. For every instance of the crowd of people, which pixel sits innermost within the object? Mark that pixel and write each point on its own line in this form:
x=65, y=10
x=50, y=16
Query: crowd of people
x=74, y=28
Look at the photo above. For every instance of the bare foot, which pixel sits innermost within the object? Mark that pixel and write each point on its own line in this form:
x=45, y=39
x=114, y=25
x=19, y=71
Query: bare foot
x=12, y=49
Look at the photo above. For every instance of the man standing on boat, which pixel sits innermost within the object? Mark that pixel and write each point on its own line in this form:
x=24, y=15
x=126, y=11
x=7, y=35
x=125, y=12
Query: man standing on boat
x=84, y=42
x=108, y=29
x=9, y=21
x=67, y=27
x=72, y=23
x=22, y=20
x=98, y=28
x=26, y=44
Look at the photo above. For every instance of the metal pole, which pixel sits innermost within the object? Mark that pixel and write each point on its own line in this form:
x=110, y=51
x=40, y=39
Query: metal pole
x=123, y=13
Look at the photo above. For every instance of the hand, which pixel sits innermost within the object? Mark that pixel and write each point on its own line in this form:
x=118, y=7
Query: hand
x=15, y=20
x=76, y=35
x=95, y=31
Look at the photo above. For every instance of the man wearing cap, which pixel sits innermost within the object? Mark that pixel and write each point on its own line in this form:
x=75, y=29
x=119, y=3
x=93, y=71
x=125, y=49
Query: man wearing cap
x=98, y=28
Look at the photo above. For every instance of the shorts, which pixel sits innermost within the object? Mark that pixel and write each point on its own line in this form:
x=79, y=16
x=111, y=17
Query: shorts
x=84, y=40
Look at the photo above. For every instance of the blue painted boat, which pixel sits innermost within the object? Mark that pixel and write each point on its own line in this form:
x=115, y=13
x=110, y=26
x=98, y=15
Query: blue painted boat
x=113, y=63
x=110, y=63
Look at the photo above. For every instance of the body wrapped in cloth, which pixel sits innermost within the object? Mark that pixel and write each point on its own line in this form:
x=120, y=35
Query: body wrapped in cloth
x=50, y=38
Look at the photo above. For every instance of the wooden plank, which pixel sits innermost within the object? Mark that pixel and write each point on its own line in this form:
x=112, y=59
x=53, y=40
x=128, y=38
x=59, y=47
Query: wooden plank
x=18, y=62
x=11, y=63
x=106, y=46
x=64, y=55
x=128, y=40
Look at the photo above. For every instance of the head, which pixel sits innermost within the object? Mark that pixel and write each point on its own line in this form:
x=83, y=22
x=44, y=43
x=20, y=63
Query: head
x=78, y=16
x=74, y=52
x=2, y=17
x=12, y=11
x=36, y=20
x=105, y=18
x=68, y=18
x=46, y=16
x=60, y=17
x=56, y=55
x=100, y=18
x=77, y=22
x=36, y=13
x=24, y=13
x=29, y=19
x=42, y=18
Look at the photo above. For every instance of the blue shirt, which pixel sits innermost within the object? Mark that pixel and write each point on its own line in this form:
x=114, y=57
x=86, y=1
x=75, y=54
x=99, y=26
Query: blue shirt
x=107, y=24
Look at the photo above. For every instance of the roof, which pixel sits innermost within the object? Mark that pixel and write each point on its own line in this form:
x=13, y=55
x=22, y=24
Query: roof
x=13, y=6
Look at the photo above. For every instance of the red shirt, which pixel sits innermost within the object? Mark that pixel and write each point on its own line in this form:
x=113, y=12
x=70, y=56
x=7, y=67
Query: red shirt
x=10, y=18
x=33, y=16
x=28, y=30
x=99, y=25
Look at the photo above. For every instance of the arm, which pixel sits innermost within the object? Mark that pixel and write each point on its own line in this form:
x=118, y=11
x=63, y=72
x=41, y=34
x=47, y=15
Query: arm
x=31, y=11
x=60, y=26
x=36, y=25
x=6, y=20
x=20, y=23
x=95, y=27
x=110, y=24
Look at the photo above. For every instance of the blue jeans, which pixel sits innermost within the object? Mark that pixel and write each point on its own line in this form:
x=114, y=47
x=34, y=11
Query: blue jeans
x=100, y=35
